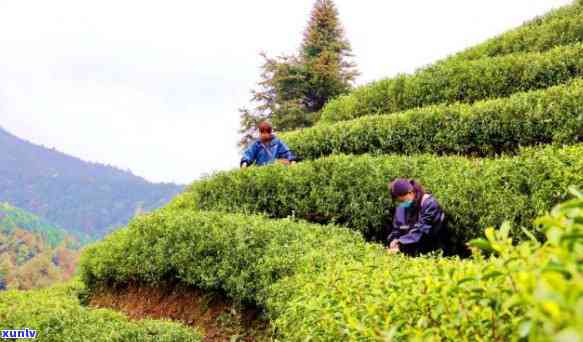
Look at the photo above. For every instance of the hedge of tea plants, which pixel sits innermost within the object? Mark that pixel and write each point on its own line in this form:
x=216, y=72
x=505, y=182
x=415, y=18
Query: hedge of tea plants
x=326, y=283
x=352, y=190
x=552, y=115
x=241, y=256
x=460, y=81
x=562, y=26
x=529, y=292
x=57, y=315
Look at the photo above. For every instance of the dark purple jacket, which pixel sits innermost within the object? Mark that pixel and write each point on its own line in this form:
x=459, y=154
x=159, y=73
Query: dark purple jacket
x=423, y=227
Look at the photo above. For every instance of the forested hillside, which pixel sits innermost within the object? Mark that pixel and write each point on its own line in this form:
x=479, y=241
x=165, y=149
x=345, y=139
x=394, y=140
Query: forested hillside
x=12, y=218
x=28, y=261
x=79, y=196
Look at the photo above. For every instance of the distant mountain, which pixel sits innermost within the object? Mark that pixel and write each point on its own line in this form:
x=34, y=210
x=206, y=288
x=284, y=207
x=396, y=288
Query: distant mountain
x=79, y=196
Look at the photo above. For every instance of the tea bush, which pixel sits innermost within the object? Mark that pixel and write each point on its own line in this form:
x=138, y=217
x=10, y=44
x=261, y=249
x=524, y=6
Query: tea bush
x=460, y=81
x=352, y=190
x=553, y=115
x=241, y=256
x=56, y=315
x=532, y=292
x=327, y=284
x=562, y=26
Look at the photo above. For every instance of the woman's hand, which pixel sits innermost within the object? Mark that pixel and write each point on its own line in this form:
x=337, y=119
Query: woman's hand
x=394, y=247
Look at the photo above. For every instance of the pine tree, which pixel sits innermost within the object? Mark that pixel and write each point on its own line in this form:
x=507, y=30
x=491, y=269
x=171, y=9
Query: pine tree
x=294, y=89
x=326, y=53
x=278, y=98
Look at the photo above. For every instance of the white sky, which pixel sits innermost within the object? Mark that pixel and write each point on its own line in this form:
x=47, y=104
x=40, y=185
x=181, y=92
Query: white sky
x=154, y=86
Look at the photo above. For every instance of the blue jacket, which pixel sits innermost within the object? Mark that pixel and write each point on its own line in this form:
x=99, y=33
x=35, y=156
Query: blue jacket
x=260, y=154
x=424, y=226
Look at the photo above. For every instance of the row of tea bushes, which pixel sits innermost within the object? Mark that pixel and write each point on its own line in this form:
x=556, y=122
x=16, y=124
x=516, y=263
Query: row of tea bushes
x=325, y=283
x=562, y=26
x=57, y=315
x=241, y=256
x=528, y=292
x=352, y=190
x=487, y=128
x=460, y=81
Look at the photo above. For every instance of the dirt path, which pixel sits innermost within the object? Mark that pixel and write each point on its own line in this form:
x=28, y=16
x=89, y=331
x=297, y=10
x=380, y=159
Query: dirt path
x=216, y=316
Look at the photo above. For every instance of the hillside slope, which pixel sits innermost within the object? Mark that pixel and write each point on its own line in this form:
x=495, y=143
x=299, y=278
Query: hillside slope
x=33, y=252
x=74, y=194
x=12, y=218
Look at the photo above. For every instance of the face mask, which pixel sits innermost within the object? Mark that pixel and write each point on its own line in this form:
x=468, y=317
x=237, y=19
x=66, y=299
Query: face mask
x=406, y=204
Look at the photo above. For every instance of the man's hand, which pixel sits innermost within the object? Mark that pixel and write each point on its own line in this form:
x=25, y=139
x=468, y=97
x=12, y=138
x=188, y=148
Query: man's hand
x=284, y=161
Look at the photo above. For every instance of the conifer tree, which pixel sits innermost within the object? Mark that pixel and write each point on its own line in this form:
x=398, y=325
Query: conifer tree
x=293, y=89
x=325, y=53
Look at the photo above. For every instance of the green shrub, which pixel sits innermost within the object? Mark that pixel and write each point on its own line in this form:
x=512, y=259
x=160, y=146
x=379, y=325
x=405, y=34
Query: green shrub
x=352, y=190
x=530, y=291
x=57, y=315
x=327, y=284
x=563, y=26
x=460, y=81
x=241, y=256
x=553, y=115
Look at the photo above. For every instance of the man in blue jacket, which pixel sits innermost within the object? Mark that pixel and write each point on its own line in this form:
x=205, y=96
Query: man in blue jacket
x=267, y=149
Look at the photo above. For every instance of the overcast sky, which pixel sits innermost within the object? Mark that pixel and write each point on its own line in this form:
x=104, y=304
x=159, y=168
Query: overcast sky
x=154, y=86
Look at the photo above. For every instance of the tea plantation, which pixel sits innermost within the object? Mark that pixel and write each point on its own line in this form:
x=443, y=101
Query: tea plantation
x=56, y=314
x=494, y=132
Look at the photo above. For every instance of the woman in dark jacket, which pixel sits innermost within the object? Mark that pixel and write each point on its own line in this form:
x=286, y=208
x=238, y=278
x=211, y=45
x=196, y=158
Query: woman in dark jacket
x=419, y=221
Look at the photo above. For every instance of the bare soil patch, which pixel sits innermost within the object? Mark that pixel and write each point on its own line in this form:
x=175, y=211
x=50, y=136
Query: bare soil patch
x=215, y=315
